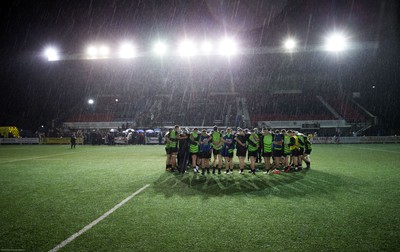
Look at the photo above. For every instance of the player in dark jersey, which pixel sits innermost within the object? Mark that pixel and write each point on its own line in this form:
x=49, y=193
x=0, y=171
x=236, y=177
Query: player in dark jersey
x=286, y=148
x=307, y=152
x=183, y=151
x=277, y=151
x=205, y=151
x=227, y=150
x=252, y=147
x=167, y=143
x=241, y=149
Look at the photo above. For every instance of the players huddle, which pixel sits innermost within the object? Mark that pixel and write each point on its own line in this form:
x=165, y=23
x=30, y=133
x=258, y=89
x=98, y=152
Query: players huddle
x=279, y=149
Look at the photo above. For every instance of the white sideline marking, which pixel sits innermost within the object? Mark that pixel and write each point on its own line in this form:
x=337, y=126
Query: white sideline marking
x=92, y=224
x=33, y=158
x=373, y=149
x=41, y=157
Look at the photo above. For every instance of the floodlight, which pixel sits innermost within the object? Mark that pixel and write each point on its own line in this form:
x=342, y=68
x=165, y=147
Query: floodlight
x=90, y=101
x=335, y=42
x=290, y=44
x=126, y=51
x=228, y=47
x=92, y=51
x=51, y=54
x=104, y=51
x=187, y=48
x=160, y=48
x=206, y=47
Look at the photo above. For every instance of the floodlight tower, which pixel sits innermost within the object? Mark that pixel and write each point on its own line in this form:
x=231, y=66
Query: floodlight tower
x=126, y=51
x=290, y=44
x=51, y=54
x=228, y=47
x=335, y=43
x=160, y=48
x=187, y=48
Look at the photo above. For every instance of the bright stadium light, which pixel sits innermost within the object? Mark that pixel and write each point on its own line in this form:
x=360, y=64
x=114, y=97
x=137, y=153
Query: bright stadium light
x=92, y=51
x=51, y=54
x=335, y=42
x=126, y=51
x=160, y=48
x=104, y=51
x=90, y=101
x=290, y=44
x=206, y=47
x=187, y=48
x=228, y=47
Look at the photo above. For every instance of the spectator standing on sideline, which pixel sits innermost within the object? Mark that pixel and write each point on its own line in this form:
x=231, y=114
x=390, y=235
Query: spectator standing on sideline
x=73, y=140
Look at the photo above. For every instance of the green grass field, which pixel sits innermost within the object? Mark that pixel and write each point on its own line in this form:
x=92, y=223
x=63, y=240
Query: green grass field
x=348, y=201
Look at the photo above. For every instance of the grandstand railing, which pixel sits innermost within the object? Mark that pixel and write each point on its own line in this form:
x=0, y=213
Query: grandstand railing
x=96, y=125
x=298, y=124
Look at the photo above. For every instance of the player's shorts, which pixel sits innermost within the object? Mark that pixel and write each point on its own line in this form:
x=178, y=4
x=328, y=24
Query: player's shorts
x=295, y=152
x=285, y=154
x=204, y=154
x=217, y=152
x=194, y=153
x=301, y=151
x=307, y=152
x=253, y=153
x=172, y=150
x=267, y=154
x=228, y=154
x=241, y=152
x=277, y=153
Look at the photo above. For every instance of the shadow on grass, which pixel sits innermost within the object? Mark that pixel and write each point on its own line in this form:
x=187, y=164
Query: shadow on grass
x=286, y=185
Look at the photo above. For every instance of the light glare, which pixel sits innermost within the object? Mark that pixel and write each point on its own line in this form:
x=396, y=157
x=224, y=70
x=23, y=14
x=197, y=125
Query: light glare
x=52, y=54
x=160, y=48
x=290, y=44
x=126, y=51
x=206, y=47
x=335, y=42
x=104, y=51
x=187, y=48
x=228, y=47
x=92, y=51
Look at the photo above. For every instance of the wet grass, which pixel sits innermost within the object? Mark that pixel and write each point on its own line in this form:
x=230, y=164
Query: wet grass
x=348, y=201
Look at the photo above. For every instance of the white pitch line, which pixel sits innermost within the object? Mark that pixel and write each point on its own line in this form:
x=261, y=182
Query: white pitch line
x=373, y=149
x=92, y=224
x=34, y=158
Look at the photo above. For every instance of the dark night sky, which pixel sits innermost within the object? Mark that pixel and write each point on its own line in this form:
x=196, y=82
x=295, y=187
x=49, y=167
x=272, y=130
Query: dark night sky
x=34, y=91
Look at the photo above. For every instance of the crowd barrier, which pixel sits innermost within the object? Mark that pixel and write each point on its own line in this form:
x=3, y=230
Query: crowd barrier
x=37, y=140
x=122, y=140
x=356, y=140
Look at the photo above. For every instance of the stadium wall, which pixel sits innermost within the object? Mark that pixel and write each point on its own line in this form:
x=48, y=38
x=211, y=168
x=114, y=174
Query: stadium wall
x=37, y=140
x=356, y=140
x=315, y=140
